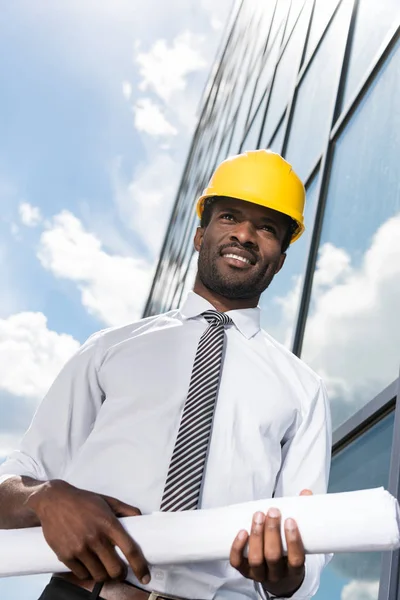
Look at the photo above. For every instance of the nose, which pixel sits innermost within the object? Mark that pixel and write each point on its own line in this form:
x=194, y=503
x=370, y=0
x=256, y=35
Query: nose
x=245, y=233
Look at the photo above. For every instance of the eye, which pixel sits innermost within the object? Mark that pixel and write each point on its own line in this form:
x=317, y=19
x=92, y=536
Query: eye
x=270, y=229
x=227, y=216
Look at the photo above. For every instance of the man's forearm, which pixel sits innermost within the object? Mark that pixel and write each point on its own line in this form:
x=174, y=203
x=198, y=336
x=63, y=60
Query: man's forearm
x=15, y=512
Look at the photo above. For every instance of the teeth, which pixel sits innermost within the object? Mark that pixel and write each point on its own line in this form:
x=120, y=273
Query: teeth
x=237, y=257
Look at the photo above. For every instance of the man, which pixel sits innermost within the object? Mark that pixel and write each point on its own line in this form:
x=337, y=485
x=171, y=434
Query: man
x=195, y=408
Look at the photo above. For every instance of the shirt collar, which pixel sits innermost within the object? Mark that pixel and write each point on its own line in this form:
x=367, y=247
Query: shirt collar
x=247, y=320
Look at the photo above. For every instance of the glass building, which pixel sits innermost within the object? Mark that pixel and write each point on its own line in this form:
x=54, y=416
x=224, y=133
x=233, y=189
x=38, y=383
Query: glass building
x=319, y=82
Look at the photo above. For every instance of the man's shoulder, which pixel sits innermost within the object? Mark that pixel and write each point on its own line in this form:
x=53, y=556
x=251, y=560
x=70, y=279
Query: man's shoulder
x=293, y=362
x=111, y=336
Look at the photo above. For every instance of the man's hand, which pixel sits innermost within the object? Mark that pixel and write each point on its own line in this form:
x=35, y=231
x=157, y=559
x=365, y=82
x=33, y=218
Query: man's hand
x=280, y=575
x=82, y=528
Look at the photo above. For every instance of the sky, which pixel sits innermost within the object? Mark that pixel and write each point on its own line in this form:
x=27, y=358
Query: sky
x=98, y=106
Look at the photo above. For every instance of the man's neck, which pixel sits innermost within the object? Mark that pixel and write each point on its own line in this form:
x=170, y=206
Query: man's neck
x=221, y=303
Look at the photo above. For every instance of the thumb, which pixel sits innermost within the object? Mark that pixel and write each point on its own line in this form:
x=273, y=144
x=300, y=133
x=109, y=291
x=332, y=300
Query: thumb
x=306, y=493
x=121, y=509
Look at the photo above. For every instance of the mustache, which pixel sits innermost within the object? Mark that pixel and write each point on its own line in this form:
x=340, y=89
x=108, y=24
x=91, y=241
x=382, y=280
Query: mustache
x=240, y=247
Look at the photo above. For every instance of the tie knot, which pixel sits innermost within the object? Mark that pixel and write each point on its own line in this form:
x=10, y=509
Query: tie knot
x=214, y=317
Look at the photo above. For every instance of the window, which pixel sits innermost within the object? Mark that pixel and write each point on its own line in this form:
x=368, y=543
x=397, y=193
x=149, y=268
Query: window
x=295, y=8
x=352, y=334
x=251, y=139
x=281, y=12
x=374, y=20
x=316, y=97
x=281, y=300
x=361, y=465
x=285, y=76
x=264, y=80
x=277, y=141
x=323, y=11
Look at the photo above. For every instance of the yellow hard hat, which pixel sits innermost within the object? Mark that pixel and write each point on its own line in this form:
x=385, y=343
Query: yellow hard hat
x=262, y=177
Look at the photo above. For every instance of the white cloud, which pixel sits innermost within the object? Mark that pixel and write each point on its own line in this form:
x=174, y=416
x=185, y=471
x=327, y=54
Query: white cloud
x=30, y=215
x=113, y=288
x=15, y=231
x=216, y=24
x=352, y=334
x=164, y=68
x=360, y=590
x=289, y=305
x=150, y=119
x=145, y=203
x=31, y=355
x=126, y=89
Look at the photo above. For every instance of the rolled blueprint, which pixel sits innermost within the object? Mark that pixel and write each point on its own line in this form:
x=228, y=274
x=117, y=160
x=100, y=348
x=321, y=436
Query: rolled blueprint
x=347, y=522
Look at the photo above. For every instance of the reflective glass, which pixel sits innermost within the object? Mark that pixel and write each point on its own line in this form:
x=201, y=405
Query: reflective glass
x=277, y=142
x=281, y=11
x=374, y=20
x=316, y=97
x=281, y=301
x=241, y=117
x=268, y=66
x=323, y=10
x=264, y=16
x=352, y=335
x=295, y=8
x=285, y=76
x=361, y=465
x=250, y=142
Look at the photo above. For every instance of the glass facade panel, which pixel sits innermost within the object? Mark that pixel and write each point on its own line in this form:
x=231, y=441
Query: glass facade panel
x=281, y=301
x=316, y=97
x=265, y=78
x=323, y=11
x=285, y=77
x=277, y=141
x=361, y=465
x=251, y=140
x=295, y=8
x=374, y=20
x=352, y=335
x=280, y=16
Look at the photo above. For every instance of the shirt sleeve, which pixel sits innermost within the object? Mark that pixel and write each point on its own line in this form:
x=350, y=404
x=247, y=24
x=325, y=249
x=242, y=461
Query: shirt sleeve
x=62, y=421
x=306, y=459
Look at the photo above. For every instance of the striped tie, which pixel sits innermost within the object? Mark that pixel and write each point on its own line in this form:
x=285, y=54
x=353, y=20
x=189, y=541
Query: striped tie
x=185, y=474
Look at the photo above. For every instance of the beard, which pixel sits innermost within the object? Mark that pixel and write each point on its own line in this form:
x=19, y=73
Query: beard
x=234, y=286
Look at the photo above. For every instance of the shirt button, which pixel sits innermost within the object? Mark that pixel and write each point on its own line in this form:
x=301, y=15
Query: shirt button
x=159, y=575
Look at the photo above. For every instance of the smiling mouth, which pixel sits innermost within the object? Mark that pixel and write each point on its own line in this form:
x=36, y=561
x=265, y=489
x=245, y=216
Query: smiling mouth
x=237, y=257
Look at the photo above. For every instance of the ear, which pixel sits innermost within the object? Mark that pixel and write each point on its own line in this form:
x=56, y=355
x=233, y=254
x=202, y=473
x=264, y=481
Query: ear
x=280, y=263
x=198, y=238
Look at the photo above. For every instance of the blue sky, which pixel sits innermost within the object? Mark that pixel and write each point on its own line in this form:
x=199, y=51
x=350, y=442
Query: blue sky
x=98, y=105
x=97, y=108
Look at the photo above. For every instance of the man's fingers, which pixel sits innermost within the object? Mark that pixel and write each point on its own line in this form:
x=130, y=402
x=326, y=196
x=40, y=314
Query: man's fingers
x=95, y=567
x=121, y=509
x=306, y=493
x=295, y=549
x=77, y=569
x=236, y=558
x=273, y=550
x=115, y=567
x=131, y=551
x=255, y=556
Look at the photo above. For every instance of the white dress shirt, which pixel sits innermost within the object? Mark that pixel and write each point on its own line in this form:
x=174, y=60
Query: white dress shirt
x=110, y=420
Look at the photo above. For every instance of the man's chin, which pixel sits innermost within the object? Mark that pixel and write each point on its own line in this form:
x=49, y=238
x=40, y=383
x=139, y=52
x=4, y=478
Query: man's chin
x=233, y=290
